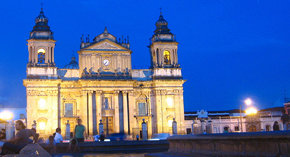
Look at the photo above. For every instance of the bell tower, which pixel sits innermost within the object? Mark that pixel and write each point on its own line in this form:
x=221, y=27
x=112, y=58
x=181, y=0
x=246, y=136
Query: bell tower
x=163, y=48
x=41, y=49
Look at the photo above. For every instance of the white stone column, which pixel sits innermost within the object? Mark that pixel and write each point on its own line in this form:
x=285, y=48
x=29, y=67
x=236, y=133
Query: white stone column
x=132, y=107
x=99, y=106
x=116, y=114
x=125, y=112
x=90, y=112
x=48, y=55
x=163, y=111
x=171, y=56
x=52, y=55
x=83, y=108
x=29, y=53
x=94, y=113
x=181, y=113
x=35, y=55
x=158, y=116
x=161, y=56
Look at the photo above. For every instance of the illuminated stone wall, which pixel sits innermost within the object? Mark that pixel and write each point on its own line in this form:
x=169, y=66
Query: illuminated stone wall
x=46, y=101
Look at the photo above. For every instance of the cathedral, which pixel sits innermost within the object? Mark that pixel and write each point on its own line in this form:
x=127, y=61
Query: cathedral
x=101, y=85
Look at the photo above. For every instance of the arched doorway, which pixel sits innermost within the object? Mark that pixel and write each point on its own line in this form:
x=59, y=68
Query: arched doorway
x=252, y=128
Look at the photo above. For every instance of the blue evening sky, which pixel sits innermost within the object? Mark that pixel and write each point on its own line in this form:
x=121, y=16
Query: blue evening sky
x=228, y=49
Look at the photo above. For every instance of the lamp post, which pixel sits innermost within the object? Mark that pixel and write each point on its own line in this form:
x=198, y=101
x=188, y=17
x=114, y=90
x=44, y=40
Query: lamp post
x=247, y=102
x=7, y=116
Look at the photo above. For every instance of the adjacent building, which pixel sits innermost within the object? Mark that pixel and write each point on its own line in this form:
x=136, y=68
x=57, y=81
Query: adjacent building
x=233, y=121
x=102, y=85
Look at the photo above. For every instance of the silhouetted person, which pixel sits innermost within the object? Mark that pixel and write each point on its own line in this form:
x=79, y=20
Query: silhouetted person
x=276, y=126
x=3, y=134
x=51, y=145
x=102, y=137
x=20, y=140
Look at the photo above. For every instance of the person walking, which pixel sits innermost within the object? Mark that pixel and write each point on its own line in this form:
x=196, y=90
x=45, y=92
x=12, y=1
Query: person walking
x=80, y=133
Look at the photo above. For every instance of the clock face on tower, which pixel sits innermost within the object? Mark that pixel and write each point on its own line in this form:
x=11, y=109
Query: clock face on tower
x=106, y=62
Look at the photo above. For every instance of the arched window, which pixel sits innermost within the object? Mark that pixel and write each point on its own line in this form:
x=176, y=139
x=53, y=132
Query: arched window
x=41, y=55
x=166, y=55
x=268, y=127
x=226, y=129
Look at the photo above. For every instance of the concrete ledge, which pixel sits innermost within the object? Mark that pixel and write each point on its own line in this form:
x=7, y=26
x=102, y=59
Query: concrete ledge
x=267, y=144
x=115, y=147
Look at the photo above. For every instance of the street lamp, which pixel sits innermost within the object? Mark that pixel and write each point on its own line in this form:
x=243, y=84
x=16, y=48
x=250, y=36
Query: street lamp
x=6, y=115
x=248, y=102
x=251, y=111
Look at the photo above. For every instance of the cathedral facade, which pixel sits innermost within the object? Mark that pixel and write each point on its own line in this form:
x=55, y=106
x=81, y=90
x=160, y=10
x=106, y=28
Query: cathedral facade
x=102, y=86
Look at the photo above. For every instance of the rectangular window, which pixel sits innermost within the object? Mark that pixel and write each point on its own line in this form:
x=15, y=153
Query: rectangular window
x=106, y=103
x=237, y=128
x=68, y=112
x=142, y=109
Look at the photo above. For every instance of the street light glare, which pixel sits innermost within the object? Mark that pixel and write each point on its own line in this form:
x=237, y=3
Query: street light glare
x=251, y=111
x=248, y=102
x=6, y=115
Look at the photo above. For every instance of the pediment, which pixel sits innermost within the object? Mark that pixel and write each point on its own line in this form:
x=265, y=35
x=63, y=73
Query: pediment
x=105, y=45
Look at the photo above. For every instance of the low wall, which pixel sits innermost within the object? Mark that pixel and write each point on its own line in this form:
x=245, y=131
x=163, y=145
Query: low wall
x=115, y=147
x=230, y=144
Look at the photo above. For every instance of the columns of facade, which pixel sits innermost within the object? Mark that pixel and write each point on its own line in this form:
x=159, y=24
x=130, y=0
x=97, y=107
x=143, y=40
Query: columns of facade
x=159, y=115
x=84, y=109
x=157, y=57
x=46, y=55
x=99, y=107
x=90, y=113
x=94, y=113
x=52, y=55
x=116, y=110
x=35, y=55
x=29, y=54
x=149, y=123
x=161, y=56
x=132, y=106
x=172, y=57
x=176, y=57
x=163, y=111
x=125, y=111
x=176, y=106
x=58, y=107
x=181, y=112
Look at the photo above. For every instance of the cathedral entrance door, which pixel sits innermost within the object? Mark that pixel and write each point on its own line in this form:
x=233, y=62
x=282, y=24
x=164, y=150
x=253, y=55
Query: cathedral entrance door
x=108, y=125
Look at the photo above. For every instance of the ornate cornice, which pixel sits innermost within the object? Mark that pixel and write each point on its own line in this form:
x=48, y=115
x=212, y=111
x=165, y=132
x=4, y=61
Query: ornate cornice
x=42, y=93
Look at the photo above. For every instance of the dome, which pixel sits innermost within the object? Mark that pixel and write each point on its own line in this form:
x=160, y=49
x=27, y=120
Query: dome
x=73, y=64
x=161, y=26
x=161, y=21
x=41, y=30
x=105, y=35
